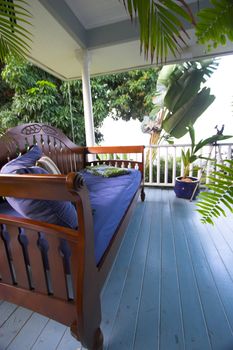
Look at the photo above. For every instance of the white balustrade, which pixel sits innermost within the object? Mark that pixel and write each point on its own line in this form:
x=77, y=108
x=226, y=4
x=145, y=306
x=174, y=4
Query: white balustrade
x=163, y=162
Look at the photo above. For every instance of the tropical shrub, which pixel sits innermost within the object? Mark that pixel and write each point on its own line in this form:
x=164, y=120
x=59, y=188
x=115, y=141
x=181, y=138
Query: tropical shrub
x=220, y=197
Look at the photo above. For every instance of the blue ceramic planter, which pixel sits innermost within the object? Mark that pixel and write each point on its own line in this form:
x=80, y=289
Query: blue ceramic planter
x=185, y=189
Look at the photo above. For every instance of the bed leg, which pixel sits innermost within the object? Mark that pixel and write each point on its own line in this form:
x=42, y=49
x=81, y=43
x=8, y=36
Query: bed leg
x=96, y=341
x=143, y=195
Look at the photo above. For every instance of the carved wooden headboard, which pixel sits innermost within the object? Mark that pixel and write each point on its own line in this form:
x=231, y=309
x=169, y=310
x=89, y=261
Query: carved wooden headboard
x=67, y=155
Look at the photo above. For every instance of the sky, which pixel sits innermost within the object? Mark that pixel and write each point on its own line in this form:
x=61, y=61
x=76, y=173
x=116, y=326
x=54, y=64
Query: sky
x=220, y=112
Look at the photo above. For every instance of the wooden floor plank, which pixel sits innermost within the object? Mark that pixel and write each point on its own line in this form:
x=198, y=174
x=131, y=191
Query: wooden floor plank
x=6, y=309
x=218, y=326
x=12, y=326
x=50, y=337
x=222, y=246
x=122, y=335
x=29, y=333
x=149, y=309
x=215, y=249
x=114, y=285
x=68, y=342
x=170, y=287
x=171, y=327
x=195, y=328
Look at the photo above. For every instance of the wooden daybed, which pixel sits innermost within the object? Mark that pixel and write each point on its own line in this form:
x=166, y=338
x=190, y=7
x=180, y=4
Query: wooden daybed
x=74, y=298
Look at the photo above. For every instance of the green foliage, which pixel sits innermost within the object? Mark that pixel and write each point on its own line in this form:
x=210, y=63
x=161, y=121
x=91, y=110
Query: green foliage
x=215, y=23
x=130, y=93
x=185, y=100
x=20, y=75
x=190, y=156
x=14, y=36
x=29, y=94
x=180, y=98
x=162, y=170
x=161, y=26
x=214, y=203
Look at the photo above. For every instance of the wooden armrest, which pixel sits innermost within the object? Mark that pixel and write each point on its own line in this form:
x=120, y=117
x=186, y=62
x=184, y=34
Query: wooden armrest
x=43, y=186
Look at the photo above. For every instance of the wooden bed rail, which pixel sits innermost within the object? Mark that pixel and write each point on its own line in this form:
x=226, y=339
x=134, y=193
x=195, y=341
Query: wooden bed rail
x=115, y=156
x=114, y=149
x=60, y=291
x=45, y=279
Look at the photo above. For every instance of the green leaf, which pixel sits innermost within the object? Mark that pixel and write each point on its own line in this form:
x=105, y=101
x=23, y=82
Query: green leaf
x=215, y=23
x=212, y=204
x=167, y=17
x=14, y=38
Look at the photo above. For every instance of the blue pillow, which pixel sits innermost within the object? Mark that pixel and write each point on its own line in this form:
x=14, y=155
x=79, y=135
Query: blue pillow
x=61, y=213
x=24, y=161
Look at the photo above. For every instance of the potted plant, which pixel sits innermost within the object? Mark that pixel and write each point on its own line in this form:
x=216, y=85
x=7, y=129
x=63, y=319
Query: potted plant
x=185, y=185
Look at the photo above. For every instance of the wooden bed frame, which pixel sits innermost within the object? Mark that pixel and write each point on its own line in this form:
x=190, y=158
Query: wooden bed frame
x=27, y=285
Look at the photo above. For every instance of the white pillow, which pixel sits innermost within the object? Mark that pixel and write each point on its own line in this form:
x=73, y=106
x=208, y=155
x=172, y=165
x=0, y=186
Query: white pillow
x=48, y=164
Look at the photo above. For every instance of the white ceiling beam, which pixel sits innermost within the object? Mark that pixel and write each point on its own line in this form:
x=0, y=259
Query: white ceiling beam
x=67, y=19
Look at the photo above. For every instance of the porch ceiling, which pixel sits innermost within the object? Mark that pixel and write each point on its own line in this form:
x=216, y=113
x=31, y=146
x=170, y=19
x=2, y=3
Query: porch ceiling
x=62, y=28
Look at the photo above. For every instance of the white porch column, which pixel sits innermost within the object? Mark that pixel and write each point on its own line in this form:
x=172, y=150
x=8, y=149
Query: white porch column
x=84, y=58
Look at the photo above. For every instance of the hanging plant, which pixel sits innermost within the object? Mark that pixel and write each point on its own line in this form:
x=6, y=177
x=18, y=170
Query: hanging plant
x=15, y=38
x=161, y=25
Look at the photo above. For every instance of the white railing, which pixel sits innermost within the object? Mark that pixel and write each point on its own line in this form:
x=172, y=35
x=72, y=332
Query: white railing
x=163, y=162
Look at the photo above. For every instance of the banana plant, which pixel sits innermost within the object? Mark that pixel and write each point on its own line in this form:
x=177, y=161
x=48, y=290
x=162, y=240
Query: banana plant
x=185, y=99
x=214, y=203
x=180, y=98
x=15, y=36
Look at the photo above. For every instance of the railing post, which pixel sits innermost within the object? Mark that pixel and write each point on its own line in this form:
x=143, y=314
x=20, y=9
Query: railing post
x=166, y=167
x=158, y=165
x=174, y=166
x=150, y=165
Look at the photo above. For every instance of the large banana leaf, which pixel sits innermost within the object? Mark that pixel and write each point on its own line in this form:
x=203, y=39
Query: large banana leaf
x=176, y=123
x=14, y=36
x=186, y=82
x=184, y=100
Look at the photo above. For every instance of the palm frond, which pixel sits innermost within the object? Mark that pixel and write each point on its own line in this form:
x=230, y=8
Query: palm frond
x=161, y=26
x=15, y=38
x=215, y=23
x=220, y=197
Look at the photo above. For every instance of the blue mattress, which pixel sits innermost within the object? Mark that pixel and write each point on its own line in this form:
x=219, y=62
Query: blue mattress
x=110, y=197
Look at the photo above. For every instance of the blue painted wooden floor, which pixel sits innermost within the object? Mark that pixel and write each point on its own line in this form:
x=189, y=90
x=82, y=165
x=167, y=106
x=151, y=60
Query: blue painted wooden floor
x=171, y=287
